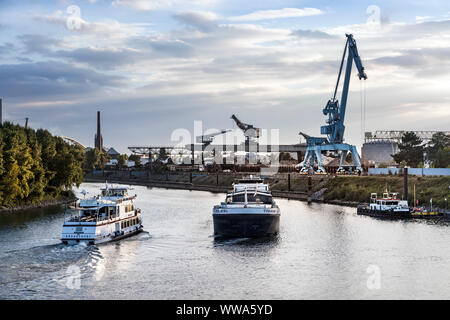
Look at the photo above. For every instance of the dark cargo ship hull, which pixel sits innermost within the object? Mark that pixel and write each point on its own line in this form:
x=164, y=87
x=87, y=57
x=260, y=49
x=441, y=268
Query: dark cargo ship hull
x=246, y=225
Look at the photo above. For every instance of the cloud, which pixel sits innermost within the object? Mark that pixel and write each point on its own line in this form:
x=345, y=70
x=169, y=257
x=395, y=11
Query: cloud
x=203, y=21
x=276, y=14
x=6, y=48
x=312, y=34
x=36, y=43
x=148, y=5
x=110, y=28
x=100, y=58
x=52, y=78
x=145, y=5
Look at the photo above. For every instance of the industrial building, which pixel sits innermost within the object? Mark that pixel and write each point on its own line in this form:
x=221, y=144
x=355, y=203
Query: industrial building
x=379, y=146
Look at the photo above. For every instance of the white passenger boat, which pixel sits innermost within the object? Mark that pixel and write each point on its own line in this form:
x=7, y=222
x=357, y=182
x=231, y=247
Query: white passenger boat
x=108, y=216
x=248, y=211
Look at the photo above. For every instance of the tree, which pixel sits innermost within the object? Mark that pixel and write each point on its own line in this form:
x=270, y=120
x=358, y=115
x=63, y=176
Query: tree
x=103, y=160
x=286, y=156
x=17, y=164
x=136, y=158
x=442, y=158
x=92, y=159
x=436, y=150
x=411, y=150
x=35, y=164
x=122, y=160
x=162, y=156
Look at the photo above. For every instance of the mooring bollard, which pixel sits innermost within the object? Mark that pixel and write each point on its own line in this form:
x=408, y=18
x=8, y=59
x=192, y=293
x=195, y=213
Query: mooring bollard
x=309, y=188
x=405, y=184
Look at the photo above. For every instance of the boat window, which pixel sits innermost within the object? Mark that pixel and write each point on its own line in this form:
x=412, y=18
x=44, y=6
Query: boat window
x=251, y=197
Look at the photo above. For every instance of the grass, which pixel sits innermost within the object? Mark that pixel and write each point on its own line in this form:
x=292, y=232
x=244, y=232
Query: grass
x=359, y=188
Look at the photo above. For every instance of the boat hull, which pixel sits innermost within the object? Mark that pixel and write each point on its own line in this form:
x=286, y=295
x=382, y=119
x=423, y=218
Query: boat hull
x=246, y=225
x=111, y=237
x=384, y=214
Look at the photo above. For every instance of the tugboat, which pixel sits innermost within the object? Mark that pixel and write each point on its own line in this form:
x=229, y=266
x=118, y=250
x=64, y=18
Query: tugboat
x=388, y=207
x=106, y=217
x=248, y=211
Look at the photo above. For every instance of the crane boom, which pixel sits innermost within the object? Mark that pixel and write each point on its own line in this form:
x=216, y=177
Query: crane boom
x=336, y=113
x=208, y=138
x=253, y=132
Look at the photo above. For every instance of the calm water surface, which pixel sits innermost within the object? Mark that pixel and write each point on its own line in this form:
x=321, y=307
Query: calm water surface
x=323, y=252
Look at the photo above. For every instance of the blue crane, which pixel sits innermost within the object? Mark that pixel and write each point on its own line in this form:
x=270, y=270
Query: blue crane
x=335, y=123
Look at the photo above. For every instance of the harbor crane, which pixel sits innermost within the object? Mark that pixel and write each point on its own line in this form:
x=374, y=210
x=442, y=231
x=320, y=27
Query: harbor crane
x=249, y=130
x=335, y=123
x=207, y=139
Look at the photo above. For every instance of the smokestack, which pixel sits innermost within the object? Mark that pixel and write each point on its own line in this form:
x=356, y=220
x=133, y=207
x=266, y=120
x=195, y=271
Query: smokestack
x=1, y=112
x=98, y=136
x=26, y=123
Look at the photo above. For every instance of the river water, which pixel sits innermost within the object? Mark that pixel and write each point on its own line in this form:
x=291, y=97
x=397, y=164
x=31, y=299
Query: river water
x=322, y=252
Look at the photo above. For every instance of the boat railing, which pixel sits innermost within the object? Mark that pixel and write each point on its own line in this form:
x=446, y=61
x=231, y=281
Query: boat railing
x=77, y=214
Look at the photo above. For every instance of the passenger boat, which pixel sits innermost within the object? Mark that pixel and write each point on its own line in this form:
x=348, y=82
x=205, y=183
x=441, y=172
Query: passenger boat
x=388, y=206
x=108, y=216
x=248, y=211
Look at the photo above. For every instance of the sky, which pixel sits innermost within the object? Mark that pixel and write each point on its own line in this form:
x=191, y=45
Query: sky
x=155, y=66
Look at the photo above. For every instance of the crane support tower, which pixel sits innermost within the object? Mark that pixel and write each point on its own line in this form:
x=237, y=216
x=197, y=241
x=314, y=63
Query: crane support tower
x=335, y=123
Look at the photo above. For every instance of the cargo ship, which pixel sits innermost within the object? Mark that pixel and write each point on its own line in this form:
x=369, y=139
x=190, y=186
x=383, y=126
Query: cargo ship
x=248, y=211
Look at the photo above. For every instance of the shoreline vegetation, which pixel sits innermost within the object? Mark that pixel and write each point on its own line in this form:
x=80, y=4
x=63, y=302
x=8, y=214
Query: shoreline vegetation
x=41, y=204
x=341, y=190
x=36, y=168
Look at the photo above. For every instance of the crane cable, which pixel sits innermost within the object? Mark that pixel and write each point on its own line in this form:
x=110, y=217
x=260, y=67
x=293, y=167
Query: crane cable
x=362, y=95
x=364, y=108
x=362, y=111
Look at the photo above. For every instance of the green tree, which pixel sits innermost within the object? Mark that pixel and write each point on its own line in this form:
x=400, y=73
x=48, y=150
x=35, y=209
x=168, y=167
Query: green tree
x=104, y=158
x=122, y=160
x=136, y=158
x=411, y=150
x=442, y=158
x=92, y=159
x=17, y=164
x=285, y=156
x=435, y=150
x=38, y=183
x=35, y=165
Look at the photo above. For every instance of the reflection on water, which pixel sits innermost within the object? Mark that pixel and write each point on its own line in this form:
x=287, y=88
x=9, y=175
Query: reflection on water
x=322, y=251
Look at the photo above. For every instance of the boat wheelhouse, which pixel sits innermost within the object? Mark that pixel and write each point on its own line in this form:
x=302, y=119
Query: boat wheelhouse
x=111, y=215
x=248, y=211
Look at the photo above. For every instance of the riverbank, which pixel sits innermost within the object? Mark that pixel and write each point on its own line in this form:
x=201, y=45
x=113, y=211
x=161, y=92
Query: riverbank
x=41, y=204
x=340, y=190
